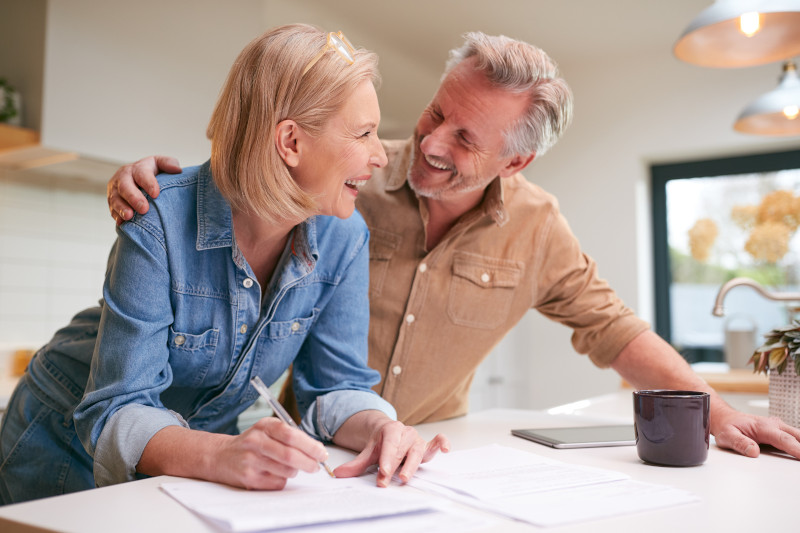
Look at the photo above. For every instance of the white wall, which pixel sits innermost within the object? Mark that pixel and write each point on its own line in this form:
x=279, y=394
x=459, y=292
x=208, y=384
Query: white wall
x=54, y=242
x=631, y=113
x=127, y=79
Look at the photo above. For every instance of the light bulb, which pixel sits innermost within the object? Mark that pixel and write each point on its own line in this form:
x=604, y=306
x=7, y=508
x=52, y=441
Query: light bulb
x=750, y=23
x=791, y=111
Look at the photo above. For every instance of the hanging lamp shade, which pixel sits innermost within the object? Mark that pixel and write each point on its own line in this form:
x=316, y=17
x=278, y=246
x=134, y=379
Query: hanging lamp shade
x=742, y=33
x=776, y=112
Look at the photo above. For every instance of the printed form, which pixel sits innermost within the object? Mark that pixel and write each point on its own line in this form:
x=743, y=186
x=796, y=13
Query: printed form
x=503, y=481
x=539, y=490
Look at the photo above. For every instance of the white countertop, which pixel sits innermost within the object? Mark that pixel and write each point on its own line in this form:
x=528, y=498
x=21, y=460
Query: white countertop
x=737, y=493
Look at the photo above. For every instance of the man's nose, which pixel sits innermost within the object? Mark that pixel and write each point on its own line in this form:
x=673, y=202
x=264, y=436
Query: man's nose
x=435, y=142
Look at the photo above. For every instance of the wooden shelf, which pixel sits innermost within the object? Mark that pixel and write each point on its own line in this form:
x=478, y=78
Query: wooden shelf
x=20, y=150
x=734, y=380
x=12, y=137
x=32, y=157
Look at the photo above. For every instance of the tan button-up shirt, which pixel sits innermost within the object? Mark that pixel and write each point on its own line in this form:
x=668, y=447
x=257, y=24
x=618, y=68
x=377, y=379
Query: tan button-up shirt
x=435, y=315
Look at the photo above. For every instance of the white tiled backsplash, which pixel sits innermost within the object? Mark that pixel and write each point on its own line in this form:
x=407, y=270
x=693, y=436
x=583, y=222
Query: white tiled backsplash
x=54, y=244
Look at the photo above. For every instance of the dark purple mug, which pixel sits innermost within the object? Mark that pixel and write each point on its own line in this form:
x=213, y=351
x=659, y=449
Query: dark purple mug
x=671, y=426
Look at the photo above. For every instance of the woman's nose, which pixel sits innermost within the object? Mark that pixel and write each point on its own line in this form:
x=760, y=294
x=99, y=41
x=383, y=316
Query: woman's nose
x=378, y=158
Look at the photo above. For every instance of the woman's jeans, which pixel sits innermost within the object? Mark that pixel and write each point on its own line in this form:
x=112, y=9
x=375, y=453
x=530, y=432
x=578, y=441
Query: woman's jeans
x=40, y=454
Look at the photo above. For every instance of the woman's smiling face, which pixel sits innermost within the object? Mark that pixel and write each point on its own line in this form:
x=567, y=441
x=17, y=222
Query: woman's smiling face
x=338, y=161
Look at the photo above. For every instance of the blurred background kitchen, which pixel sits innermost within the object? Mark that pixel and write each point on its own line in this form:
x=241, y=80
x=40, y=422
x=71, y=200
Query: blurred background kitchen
x=103, y=82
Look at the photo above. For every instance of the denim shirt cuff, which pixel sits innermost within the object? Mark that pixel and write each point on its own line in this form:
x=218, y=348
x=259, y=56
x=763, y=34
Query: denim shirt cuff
x=124, y=438
x=326, y=415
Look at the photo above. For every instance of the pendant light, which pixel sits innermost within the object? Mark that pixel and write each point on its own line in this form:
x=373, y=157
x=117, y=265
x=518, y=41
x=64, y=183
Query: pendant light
x=742, y=33
x=776, y=112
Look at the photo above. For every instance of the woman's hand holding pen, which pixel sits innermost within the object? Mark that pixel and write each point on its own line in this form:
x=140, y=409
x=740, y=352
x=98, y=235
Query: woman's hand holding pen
x=267, y=454
x=391, y=445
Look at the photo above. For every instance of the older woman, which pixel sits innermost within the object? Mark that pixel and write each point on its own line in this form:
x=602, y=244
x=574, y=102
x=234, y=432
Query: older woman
x=232, y=274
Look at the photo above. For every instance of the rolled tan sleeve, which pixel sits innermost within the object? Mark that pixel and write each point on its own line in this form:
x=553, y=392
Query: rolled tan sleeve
x=570, y=291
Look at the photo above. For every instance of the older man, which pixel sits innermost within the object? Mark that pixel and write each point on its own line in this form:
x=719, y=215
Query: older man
x=462, y=245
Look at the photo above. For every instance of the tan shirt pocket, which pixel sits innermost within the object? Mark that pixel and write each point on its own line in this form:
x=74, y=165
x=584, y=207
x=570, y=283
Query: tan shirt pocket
x=482, y=290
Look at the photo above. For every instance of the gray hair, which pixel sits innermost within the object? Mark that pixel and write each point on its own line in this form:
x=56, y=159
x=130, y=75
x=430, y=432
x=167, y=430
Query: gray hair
x=520, y=67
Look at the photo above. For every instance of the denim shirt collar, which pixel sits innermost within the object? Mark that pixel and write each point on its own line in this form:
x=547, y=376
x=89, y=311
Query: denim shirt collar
x=215, y=222
x=214, y=218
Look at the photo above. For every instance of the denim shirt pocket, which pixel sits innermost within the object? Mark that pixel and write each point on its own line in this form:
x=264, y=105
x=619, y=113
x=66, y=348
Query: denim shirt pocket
x=279, y=344
x=190, y=356
x=482, y=290
x=282, y=329
x=382, y=246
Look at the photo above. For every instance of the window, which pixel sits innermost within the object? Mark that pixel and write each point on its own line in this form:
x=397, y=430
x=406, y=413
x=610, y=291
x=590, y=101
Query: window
x=714, y=220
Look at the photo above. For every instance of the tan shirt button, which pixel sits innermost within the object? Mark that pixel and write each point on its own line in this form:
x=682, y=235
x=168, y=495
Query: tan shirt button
x=396, y=370
x=410, y=318
x=485, y=277
x=423, y=267
x=243, y=329
x=248, y=282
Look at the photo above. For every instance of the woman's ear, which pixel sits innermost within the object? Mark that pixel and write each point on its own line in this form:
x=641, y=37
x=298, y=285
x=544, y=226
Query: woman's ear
x=286, y=137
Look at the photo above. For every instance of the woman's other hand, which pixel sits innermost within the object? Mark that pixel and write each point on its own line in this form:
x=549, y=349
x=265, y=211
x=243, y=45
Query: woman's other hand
x=393, y=446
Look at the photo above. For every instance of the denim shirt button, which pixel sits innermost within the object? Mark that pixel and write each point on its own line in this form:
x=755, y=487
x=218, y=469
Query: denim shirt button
x=243, y=329
x=179, y=340
x=248, y=282
x=295, y=326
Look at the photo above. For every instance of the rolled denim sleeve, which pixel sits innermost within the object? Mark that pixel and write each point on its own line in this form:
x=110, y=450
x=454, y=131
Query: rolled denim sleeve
x=121, y=408
x=326, y=415
x=123, y=439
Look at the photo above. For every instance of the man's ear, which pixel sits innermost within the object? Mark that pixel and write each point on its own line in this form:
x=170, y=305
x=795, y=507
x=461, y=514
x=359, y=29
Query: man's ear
x=287, y=133
x=517, y=164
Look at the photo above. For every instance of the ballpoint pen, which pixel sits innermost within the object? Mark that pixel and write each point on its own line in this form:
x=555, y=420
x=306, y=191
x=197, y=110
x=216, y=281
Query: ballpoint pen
x=279, y=411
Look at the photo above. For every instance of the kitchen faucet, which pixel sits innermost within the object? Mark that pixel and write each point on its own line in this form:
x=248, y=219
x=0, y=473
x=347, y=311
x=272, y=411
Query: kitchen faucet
x=728, y=285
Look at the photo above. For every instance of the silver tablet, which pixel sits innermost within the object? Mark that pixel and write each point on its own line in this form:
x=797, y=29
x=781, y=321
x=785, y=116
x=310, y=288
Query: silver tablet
x=580, y=437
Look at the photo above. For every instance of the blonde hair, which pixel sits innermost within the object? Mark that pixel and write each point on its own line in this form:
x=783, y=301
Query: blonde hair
x=520, y=67
x=265, y=86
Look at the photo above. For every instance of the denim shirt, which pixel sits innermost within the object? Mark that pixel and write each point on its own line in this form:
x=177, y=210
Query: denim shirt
x=183, y=327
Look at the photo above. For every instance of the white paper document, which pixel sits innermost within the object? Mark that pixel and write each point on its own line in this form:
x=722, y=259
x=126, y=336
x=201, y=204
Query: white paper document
x=496, y=471
x=302, y=503
x=504, y=481
x=539, y=490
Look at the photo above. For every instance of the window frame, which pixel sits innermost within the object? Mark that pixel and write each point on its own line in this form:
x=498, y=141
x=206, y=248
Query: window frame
x=660, y=175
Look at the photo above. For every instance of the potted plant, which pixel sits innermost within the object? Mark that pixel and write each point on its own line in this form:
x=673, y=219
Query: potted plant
x=9, y=104
x=779, y=358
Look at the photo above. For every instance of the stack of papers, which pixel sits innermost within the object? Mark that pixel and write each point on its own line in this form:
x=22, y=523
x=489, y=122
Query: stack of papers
x=542, y=491
x=244, y=511
x=316, y=502
x=503, y=481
